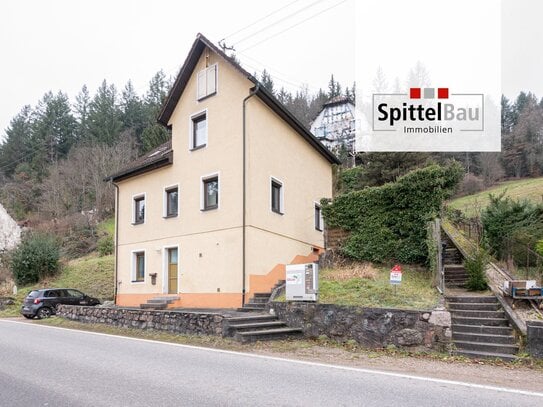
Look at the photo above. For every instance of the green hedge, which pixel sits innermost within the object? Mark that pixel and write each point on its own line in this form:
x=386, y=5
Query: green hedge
x=36, y=257
x=389, y=222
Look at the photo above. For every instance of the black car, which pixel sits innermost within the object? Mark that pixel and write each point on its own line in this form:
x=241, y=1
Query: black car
x=43, y=303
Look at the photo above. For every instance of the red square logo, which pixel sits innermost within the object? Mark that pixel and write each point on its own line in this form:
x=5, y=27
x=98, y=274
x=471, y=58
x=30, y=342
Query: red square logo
x=414, y=93
x=442, y=93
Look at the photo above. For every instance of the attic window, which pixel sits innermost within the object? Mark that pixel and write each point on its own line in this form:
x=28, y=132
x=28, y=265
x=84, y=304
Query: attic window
x=207, y=82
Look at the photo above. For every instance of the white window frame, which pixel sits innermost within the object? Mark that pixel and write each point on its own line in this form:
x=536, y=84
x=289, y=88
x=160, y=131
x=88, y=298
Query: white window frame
x=134, y=197
x=281, y=195
x=191, y=129
x=205, y=70
x=321, y=219
x=165, y=201
x=134, y=266
x=202, y=191
x=165, y=268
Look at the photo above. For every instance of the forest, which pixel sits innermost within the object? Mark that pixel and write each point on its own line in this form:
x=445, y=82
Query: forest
x=56, y=153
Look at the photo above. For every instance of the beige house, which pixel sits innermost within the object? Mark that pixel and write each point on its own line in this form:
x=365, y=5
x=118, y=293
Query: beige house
x=214, y=215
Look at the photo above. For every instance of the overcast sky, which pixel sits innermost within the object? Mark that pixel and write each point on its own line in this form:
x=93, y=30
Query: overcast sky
x=63, y=44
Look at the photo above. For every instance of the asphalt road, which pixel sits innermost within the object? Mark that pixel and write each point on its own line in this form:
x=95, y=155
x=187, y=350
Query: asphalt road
x=45, y=366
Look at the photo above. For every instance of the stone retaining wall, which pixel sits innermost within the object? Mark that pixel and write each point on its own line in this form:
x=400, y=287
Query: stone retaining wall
x=534, y=339
x=370, y=327
x=193, y=323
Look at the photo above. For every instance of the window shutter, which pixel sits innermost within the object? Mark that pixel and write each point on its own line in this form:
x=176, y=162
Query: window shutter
x=211, y=79
x=201, y=86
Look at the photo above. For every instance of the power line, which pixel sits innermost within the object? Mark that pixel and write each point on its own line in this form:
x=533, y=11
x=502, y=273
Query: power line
x=277, y=22
x=279, y=76
x=260, y=19
x=292, y=26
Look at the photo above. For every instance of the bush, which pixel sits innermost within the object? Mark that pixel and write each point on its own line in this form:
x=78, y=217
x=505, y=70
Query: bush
x=389, y=222
x=36, y=257
x=105, y=245
x=475, y=267
x=471, y=184
x=508, y=223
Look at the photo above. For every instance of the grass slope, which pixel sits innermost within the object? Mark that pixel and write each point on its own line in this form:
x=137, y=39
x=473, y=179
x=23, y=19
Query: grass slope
x=531, y=189
x=415, y=291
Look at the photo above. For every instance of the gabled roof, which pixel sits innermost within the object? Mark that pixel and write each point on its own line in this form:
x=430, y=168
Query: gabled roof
x=267, y=97
x=156, y=158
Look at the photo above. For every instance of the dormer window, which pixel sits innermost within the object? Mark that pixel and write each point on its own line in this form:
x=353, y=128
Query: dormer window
x=207, y=82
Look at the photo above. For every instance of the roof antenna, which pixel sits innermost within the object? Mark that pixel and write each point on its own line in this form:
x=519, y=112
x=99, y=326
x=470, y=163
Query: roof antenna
x=225, y=47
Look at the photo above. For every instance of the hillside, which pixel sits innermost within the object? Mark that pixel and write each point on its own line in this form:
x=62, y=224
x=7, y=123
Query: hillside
x=528, y=188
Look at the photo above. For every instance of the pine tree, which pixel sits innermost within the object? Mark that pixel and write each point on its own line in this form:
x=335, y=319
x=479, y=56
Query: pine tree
x=81, y=108
x=16, y=148
x=53, y=130
x=132, y=111
x=104, y=115
x=267, y=81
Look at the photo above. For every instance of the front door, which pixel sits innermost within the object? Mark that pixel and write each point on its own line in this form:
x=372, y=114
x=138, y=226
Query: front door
x=172, y=271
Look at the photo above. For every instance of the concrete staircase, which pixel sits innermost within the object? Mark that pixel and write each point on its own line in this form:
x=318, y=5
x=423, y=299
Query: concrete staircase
x=455, y=273
x=480, y=328
x=258, y=327
x=158, y=303
x=259, y=300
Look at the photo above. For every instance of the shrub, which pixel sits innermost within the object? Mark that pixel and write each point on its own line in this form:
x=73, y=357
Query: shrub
x=105, y=245
x=471, y=184
x=508, y=223
x=475, y=267
x=36, y=257
x=389, y=222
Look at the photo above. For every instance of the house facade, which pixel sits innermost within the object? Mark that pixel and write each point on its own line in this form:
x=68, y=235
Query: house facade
x=335, y=127
x=213, y=215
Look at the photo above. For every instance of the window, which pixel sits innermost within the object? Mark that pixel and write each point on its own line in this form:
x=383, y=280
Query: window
x=207, y=82
x=139, y=210
x=139, y=266
x=318, y=217
x=199, y=131
x=211, y=193
x=276, y=196
x=171, y=198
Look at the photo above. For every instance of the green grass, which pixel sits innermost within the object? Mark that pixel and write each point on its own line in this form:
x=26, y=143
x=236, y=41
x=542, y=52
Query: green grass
x=415, y=291
x=91, y=274
x=107, y=226
x=531, y=189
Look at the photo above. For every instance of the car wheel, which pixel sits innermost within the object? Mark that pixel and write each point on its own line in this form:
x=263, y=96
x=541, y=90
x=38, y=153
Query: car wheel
x=28, y=316
x=44, y=312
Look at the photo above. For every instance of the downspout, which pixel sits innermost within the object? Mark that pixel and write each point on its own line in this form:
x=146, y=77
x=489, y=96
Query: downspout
x=244, y=221
x=116, y=240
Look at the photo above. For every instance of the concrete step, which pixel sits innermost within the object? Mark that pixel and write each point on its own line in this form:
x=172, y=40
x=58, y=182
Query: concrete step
x=486, y=355
x=453, y=267
x=268, y=334
x=458, y=284
x=250, y=319
x=247, y=308
x=480, y=329
x=260, y=305
x=255, y=326
x=477, y=314
x=473, y=306
x=479, y=321
x=259, y=300
x=456, y=280
x=486, y=347
x=265, y=295
x=154, y=306
x=471, y=299
x=486, y=338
